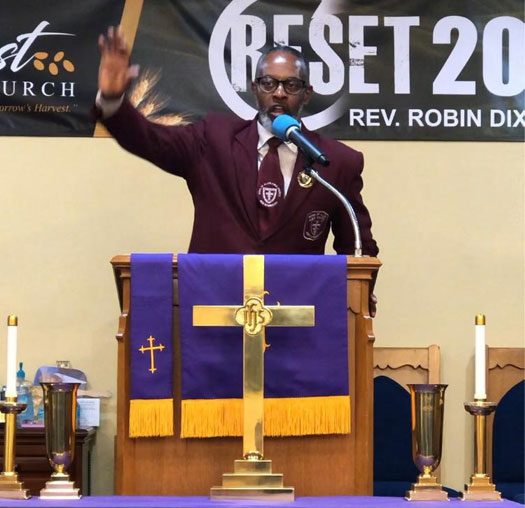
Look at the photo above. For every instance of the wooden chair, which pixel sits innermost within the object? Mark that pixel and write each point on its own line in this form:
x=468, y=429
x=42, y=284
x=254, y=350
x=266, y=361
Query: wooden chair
x=408, y=364
x=505, y=369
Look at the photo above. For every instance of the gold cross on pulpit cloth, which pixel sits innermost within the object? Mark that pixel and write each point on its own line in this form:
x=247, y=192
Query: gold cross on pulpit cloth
x=151, y=349
x=254, y=317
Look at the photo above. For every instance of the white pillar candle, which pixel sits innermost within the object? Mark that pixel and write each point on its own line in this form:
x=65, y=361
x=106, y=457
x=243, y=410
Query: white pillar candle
x=12, y=329
x=480, y=390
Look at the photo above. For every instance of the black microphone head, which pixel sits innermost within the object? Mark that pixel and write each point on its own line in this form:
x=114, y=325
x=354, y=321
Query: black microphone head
x=323, y=160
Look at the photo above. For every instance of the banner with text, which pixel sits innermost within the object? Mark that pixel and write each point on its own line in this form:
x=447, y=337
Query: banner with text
x=48, y=64
x=399, y=70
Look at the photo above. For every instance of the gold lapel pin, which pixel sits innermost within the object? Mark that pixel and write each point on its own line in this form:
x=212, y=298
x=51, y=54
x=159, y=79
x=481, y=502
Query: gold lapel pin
x=305, y=181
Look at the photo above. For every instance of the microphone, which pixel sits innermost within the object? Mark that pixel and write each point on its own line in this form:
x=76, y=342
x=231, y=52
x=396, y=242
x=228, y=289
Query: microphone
x=287, y=128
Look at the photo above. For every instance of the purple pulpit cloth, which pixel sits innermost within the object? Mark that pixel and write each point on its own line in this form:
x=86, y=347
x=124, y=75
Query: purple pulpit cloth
x=151, y=404
x=307, y=363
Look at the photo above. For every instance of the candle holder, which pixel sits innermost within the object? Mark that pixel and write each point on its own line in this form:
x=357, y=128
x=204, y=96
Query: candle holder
x=480, y=487
x=10, y=487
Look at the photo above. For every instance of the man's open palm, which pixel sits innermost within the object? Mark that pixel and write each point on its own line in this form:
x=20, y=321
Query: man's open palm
x=115, y=74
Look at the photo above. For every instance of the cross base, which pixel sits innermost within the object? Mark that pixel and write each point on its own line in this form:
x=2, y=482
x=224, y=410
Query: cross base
x=253, y=480
x=427, y=488
x=480, y=489
x=11, y=488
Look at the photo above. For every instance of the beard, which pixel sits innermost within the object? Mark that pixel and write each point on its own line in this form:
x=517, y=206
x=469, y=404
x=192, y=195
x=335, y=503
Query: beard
x=265, y=121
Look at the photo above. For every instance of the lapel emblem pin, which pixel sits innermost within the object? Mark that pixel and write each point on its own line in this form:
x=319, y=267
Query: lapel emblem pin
x=304, y=180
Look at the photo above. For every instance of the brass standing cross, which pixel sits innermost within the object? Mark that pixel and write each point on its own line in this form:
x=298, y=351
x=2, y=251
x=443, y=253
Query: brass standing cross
x=151, y=349
x=254, y=317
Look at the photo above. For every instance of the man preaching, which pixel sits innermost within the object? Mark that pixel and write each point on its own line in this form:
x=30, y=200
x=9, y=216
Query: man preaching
x=243, y=180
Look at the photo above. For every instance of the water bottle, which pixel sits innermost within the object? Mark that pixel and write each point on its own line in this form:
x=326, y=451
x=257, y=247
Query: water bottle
x=23, y=393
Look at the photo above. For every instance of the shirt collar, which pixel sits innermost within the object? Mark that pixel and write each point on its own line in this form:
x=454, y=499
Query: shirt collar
x=265, y=135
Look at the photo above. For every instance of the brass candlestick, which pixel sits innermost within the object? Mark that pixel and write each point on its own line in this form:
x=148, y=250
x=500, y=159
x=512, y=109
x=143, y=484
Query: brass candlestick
x=427, y=403
x=60, y=401
x=10, y=487
x=480, y=487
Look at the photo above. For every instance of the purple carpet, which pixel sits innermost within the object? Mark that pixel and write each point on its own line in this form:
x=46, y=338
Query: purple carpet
x=204, y=502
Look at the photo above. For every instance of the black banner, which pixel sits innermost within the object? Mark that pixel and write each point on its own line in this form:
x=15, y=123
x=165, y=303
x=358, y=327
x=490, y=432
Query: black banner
x=49, y=63
x=411, y=69
x=381, y=69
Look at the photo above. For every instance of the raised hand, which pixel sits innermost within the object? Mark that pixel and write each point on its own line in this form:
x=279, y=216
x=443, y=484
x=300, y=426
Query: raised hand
x=114, y=74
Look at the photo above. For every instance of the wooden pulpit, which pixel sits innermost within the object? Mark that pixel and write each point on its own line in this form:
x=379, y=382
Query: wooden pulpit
x=314, y=465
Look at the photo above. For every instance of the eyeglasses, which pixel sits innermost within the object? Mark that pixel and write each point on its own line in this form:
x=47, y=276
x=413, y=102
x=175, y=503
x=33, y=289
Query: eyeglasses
x=291, y=85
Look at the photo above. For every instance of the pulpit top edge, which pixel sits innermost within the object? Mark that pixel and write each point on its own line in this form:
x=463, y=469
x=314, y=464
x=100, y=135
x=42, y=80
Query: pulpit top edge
x=121, y=264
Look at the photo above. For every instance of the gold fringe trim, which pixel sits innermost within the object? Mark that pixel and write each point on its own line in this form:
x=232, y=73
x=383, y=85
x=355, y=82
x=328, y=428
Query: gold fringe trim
x=303, y=416
x=211, y=417
x=150, y=417
x=295, y=416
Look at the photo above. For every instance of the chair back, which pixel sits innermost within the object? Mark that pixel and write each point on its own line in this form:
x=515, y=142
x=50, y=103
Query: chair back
x=394, y=469
x=508, y=441
x=505, y=369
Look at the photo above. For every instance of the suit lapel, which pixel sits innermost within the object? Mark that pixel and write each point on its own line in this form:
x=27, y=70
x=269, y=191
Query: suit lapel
x=245, y=162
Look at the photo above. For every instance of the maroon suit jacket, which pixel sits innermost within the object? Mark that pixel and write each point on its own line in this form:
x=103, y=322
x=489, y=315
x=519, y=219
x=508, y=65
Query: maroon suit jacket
x=218, y=159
